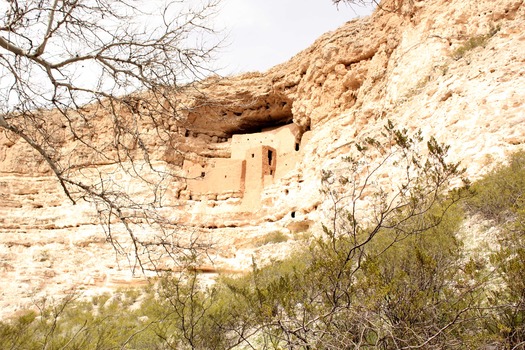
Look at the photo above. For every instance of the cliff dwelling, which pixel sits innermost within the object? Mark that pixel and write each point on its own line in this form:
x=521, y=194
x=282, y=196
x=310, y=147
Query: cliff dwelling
x=257, y=160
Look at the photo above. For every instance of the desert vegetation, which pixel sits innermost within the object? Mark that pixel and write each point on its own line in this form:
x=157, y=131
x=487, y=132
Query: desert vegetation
x=474, y=42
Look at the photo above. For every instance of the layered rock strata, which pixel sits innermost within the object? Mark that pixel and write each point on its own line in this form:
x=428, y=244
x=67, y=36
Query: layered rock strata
x=453, y=69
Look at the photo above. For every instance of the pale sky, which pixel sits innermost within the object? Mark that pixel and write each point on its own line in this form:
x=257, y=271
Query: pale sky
x=264, y=33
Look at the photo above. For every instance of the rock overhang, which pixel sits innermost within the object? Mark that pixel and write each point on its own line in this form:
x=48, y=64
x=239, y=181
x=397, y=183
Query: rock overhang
x=237, y=109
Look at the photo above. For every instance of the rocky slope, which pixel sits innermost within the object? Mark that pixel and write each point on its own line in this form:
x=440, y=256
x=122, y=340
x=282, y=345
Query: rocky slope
x=454, y=69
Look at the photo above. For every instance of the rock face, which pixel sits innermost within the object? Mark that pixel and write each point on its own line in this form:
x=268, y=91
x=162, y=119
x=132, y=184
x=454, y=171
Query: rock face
x=454, y=69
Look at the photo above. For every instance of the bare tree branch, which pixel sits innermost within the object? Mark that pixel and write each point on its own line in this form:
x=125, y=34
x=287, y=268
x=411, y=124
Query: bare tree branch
x=81, y=80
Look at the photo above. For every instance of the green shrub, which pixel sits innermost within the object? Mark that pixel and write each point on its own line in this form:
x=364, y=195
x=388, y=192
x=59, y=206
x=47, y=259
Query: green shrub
x=415, y=287
x=474, y=42
x=500, y=198
x=18, y=333
x=272, y=237
x=500, y=194
x=406, y=289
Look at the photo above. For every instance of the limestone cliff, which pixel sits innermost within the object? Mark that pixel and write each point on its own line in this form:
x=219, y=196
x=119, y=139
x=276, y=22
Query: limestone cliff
x=453, y=68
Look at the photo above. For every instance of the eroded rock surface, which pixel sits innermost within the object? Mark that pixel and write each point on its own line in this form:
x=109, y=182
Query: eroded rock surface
x=410, y=65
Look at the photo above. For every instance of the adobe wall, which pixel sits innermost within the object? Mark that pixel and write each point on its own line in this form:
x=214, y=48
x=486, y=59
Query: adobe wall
x=283, y=139
x=286, y=163
x=219, y=176
x=257, y=160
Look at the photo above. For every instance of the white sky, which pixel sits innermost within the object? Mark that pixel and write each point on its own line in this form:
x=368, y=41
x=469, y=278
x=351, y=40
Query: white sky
x=263, y=33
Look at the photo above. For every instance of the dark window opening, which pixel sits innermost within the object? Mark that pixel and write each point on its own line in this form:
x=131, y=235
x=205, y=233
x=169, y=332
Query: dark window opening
x=187, y=133
x=203, y=174
x=293, y=214
x=270, y=157
x=286, y=192
x=297, y=146
x=253, y=155
x=271, y=172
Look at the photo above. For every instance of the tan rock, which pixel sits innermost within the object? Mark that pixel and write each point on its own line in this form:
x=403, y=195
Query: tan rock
x=402, y=66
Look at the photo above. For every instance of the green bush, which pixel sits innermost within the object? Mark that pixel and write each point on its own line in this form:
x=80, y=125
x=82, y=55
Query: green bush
x=412, y=288
x=500, y=198
x=474, y=42
x=19, y=333
x=101, y=323
x=272, y=237
x=500, y=194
